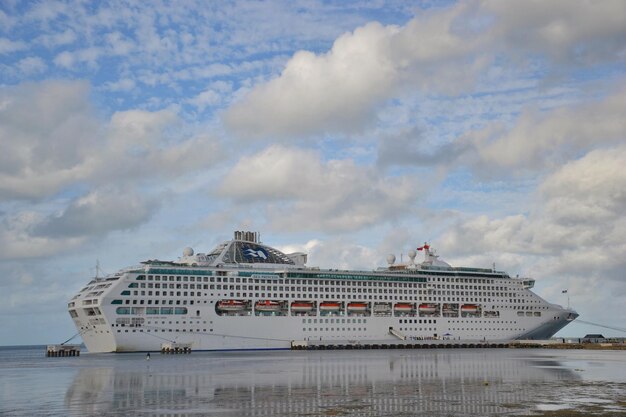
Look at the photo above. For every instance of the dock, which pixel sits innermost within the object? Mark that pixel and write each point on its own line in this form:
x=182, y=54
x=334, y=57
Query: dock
x=55, y=351
x=396, y=344
x=447, y=344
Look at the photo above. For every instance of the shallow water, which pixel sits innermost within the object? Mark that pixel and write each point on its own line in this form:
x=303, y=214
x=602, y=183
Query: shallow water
x=459, y=382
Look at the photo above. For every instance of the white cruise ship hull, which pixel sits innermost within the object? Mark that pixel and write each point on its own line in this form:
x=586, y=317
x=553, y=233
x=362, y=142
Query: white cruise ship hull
x=225, y=306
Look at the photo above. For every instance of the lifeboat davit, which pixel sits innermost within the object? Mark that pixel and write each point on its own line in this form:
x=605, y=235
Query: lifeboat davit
x=403, y=307
x=267, y=305
x=301, y=306
x=449, y=308
x=382, y=307
x=231, y=305
x=329, y=306
x=356, y=306
x=469, y=308
x=427, y=308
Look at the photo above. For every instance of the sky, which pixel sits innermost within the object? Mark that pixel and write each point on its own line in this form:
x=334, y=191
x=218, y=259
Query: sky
x=496, y=131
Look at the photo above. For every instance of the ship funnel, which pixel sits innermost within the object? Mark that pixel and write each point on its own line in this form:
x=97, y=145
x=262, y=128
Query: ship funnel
x=247, y=236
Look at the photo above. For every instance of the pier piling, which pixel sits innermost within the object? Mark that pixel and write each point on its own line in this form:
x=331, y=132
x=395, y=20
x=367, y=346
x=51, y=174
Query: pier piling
x=62, y=351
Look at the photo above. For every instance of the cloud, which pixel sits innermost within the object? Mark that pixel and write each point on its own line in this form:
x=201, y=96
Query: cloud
x=577, y=227
x=443, y=52
x=124, y=84
x=212, y=96
x=546, y=140
x=300, y=191
x=65, y=60
x=7, y=46
x=5, y=21
x=340, y=90
x=568, y=32
x=17, y=240
x=32, y=234
x=410, y=147
x=31, y=65
x=98, y=213
x=535, y=142
x=71, y=59
x=53, y=40
x=51, y=139
x=120, y=44
x=47, y=131
x=336, y=253
x=48, y=11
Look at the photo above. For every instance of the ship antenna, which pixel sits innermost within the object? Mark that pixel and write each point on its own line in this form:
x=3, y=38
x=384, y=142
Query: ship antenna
x=97, y=268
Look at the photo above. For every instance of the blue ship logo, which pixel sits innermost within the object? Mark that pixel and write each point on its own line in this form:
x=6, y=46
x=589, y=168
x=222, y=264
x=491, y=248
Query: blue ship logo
x=252, y=253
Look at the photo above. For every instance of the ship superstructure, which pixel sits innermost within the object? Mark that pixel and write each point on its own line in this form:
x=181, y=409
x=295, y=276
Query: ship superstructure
x=247, y=295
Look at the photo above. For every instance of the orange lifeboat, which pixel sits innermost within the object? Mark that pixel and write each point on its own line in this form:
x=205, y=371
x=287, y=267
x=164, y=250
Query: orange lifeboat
x=267, y=305
x=357, y=307
x=231, y=305
x=403, y=307
x=330, y=306
x=427, y=308
x=469, y=308
x=301, y=306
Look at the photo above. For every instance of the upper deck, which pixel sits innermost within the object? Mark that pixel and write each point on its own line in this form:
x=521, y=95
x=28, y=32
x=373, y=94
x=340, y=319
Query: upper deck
x=245, y=256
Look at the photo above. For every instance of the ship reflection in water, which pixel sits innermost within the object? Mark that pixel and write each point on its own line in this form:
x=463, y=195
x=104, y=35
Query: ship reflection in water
x=459, y=382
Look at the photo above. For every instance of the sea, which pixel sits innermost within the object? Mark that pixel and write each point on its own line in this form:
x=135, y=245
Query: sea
x=429, y=382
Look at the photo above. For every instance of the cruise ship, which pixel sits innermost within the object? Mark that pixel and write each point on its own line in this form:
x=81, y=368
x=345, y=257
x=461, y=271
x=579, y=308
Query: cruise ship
x=245, y=295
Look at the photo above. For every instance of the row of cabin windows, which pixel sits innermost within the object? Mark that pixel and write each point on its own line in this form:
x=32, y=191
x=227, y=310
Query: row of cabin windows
x=303, y=281
x=166, y=285
x=156, y=302
x=151, y=310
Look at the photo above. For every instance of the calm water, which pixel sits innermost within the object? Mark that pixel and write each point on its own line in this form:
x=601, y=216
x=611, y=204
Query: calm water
x=472, y=382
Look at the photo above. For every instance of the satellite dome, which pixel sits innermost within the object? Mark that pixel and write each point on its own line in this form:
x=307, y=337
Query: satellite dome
x=412, y=254
x=391, y=258
x=188, y=251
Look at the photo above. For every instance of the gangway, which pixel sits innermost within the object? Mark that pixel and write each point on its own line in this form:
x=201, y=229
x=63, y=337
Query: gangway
x=397, y=334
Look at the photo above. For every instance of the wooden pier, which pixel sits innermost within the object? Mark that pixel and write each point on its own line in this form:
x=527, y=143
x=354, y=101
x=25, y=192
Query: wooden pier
x=56, y=351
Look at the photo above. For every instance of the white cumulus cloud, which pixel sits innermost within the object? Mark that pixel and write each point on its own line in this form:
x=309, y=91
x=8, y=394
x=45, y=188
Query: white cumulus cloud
x=442, y=51
x=297, y=190
x=51, y=138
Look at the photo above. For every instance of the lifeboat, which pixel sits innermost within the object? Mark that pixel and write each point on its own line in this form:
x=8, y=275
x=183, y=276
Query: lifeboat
x=357, y=307
x=267, y=305
x=330, y=306
x=469, y=308
x=403, y=307
x=231, y=305
x=427, y=308
x=301, y=306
